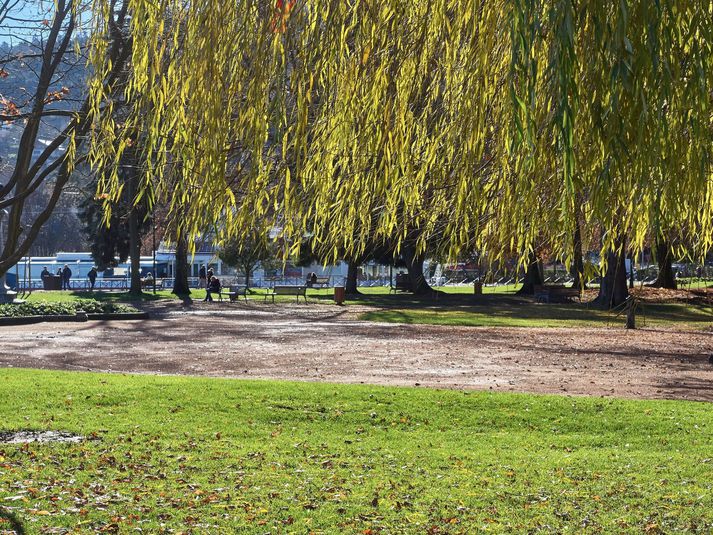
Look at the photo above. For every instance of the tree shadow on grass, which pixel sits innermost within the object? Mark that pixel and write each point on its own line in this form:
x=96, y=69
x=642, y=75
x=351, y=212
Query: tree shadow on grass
x=518, y=311
x=117, y=297
x=11, y=518
x=686, y=387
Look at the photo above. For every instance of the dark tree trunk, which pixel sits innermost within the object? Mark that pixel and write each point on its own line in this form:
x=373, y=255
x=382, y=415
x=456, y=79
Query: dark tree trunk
x=134, y=238
x=414, y=265
x=135, y=252
x=248, y=271
x=350, y=285
x=664, y=256
x=613, y=290
x=533, y=276
x=578, y=263
x=180, y=280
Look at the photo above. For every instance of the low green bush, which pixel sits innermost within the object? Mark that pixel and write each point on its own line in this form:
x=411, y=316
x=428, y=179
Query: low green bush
x=92, y=306
x=44, y=308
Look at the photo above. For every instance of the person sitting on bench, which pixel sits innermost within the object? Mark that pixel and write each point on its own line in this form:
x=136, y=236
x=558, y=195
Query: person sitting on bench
x=213, y=287
x=311, y=279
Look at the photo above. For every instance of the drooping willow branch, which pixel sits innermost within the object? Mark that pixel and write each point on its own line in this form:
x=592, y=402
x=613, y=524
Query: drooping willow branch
x=507, y=119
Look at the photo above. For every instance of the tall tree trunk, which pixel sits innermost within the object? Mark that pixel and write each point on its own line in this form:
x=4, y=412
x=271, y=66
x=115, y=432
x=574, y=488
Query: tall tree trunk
x=248, y=271
x=664, y=257
x=135, y=252
x=414, y=265
x=180, y=280
x=533, y=276
x=613, y=290
x=351, y=286
x=578, y=264
x=134, y=238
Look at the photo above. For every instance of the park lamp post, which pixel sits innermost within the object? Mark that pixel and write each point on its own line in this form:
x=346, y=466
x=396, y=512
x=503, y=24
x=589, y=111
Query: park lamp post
x=6, y=294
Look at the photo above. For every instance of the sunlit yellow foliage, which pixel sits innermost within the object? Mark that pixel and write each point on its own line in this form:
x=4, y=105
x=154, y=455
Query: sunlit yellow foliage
x=491, y=122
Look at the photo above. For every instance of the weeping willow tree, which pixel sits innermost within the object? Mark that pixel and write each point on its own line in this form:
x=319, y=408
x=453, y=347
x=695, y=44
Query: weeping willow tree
x=497, y=124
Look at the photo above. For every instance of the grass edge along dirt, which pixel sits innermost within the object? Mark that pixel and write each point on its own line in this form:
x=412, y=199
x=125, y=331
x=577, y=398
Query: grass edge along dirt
x=266, y=456
x=457, y=308
x=538, y=315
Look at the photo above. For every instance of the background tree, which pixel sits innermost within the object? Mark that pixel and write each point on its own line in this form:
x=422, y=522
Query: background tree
x=249, y=253
x=120, y=237
x=666, y=278
x=442, y=111
x=51, y=120
x=613, y=290
x=181, y=286
x=533, y=275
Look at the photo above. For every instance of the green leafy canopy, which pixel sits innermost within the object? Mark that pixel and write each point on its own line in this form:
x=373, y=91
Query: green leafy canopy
x=497, y=123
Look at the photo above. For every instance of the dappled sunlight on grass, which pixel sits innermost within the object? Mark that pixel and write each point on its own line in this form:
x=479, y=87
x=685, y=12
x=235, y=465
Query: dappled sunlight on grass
x=529, y=314
x=177, y=453
x=111, y=296
x=453, y=305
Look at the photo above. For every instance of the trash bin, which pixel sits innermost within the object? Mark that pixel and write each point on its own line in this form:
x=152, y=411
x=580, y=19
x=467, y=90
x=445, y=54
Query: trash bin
x=52, y=282
x=339, y=294
x=478, y=288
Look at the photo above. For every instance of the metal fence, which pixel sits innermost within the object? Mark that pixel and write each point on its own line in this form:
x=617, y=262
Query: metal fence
x=687, y=276
x=78, y=284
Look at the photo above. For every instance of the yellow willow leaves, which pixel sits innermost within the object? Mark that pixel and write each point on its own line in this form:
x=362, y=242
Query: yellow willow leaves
x=493, y=124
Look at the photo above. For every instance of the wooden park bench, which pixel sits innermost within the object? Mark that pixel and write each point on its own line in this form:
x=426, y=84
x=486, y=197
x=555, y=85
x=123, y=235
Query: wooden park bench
x=236, y=291
x=402, y=284
x=321, y=282
x=545, y=293
x=287, y=290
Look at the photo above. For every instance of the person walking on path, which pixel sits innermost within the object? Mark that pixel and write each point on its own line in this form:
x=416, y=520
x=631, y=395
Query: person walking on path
x=213, y=287
x=66, y=276
x=92, y=276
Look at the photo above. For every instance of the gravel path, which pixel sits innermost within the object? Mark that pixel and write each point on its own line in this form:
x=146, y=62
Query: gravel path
x=326, y=343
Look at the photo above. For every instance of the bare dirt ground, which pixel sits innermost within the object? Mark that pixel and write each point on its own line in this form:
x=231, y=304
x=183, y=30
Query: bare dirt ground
x=326, y=343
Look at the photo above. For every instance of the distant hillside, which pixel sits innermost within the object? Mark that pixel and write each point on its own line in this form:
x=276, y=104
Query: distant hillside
x=17, y=86
x=18, y=83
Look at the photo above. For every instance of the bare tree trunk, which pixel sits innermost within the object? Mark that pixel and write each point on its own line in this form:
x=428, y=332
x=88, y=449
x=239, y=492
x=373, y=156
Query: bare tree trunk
x=578, y=264
x=351, y=286
x=248, y=271
x=134, y=239
x=664, y=256
x=180, y=281
x=135, y=253
x=414, y=265
x=613, y=290
x=533, y=276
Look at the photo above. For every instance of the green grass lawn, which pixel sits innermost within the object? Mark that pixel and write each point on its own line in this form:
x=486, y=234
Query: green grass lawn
x=105, y=296
x=504, y=313
x=212, y=455
x=498, y=307
x=325, y=294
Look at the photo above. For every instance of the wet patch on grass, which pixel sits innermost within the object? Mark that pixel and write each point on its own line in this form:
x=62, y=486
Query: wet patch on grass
x=43, y=437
